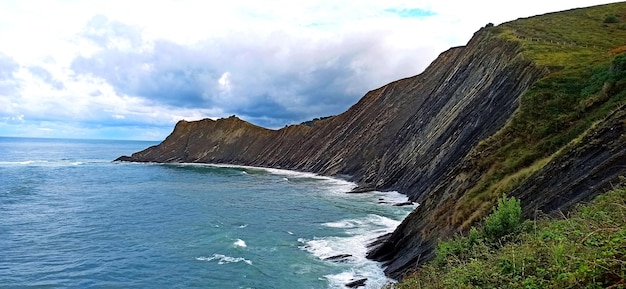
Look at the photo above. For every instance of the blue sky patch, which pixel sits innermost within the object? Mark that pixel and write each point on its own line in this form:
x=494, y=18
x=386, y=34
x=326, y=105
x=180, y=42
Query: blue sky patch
x=411, y=12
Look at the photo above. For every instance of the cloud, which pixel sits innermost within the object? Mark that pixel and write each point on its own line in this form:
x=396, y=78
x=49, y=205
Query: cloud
x=224, y=82
x=8, y=83
x=105, y=68
x=169, y=74
x=275, y=76
x=45, y=75
x=111, y=34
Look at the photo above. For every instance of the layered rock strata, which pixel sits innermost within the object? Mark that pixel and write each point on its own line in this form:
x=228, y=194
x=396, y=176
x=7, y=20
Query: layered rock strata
x=403, y=136
x=416, y=136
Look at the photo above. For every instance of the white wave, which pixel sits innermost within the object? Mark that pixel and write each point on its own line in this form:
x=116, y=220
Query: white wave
x=360, y=267
x=365, y=225
x=289, y=232
x=338, y=184
x=240, y=243
x=373, y=280
x=334, y=185
x=223, y=259
x=43, y=163
x=392, y=198
x=29, y=162
x=341, y=224
x=361, y=231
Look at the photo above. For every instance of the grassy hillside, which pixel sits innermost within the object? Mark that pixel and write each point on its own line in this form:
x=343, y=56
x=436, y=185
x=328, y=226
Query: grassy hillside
x=585, y=52
x=586, y=249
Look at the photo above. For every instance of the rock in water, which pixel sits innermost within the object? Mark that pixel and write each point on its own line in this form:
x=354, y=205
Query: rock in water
x=356, y=283
x=403, y=204
x=341, y=258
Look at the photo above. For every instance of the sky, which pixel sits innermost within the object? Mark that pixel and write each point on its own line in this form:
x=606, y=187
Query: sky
x=132, y=69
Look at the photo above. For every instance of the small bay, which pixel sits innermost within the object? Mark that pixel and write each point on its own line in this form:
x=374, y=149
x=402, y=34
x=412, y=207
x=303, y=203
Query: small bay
x=72, y=218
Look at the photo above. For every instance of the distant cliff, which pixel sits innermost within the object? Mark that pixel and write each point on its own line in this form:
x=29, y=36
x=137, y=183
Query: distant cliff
x=402, y=136
x=508, y=112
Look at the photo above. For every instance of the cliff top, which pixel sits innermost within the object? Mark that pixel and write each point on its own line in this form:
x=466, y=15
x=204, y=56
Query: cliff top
x=581, y=48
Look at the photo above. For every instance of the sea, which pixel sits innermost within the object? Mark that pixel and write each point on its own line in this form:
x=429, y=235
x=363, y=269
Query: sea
x=70, y=217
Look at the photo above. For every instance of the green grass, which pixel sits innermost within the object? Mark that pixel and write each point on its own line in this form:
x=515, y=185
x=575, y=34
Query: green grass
x=586, y=58
x=586, y=249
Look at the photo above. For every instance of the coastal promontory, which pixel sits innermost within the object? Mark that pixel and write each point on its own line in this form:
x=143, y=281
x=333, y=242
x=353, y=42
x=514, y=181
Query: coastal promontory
x=533, y=108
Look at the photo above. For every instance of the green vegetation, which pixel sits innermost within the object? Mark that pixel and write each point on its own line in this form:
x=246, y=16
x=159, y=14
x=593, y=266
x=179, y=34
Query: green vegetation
x=611, y=19
x=313, y=121
x=583, y=52
x=586, y=249
x=506, y=217
x=586, y=63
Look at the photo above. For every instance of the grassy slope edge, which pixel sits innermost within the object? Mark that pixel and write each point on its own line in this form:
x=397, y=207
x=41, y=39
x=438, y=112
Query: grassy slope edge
x=587, y=80
x=586, y=56
x=586, y=249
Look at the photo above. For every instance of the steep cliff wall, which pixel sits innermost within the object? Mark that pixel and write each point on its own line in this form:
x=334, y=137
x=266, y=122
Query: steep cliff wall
x=455, y=137
x=537, y=155
x=403, y=136
x=579, y=172
x=406, y=136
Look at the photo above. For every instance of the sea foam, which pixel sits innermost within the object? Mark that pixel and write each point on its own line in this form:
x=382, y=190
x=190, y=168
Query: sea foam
x=361, y=231
x=357, y=232
x=223, y=259
x=240, y=243
x=43, y=163
x=338, y=184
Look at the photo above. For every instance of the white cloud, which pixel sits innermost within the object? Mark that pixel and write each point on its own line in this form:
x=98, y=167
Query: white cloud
x=224, y=83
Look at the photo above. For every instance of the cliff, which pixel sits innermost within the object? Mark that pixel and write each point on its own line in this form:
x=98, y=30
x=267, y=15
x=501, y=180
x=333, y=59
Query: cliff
x=520, y=109
x=402, y=136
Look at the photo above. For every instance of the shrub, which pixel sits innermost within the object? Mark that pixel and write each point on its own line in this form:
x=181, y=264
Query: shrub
x=618, y=67
x=586, y=250
x=611, y=19
x=505, y=219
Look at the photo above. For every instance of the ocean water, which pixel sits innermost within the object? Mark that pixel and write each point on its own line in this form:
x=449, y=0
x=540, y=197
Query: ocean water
x=69, y=217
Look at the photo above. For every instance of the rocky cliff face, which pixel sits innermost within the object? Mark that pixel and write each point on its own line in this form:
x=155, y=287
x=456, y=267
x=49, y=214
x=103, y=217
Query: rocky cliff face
x=403, y=136
x=580, y=172
x=418, y=136
x=408, y=135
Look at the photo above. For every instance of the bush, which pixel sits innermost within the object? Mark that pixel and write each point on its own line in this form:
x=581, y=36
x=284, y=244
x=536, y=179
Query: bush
x=618, y=68
x=586, y=250
x=505, y=219
x=611, y=19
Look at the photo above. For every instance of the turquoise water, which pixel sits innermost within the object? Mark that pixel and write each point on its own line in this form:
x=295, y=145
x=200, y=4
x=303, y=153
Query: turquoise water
x=72, y=218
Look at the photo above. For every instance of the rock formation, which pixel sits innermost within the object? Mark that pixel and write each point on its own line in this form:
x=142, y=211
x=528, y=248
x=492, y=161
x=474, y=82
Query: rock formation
x=418, y=136
x=582, y=171
x=403, y=136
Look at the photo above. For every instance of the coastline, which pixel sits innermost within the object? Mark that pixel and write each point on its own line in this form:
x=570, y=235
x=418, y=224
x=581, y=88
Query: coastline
x=354, y=244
